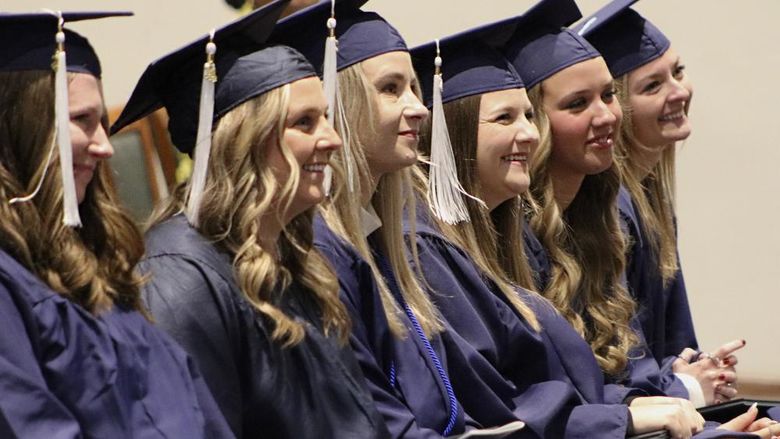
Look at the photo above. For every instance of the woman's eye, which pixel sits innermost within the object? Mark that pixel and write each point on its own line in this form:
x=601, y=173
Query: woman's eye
x=608, y=95
x=530, y=115
x=679, y=71
x=81, y=119
x=503, y=118
x=303, y=122
x=651, y=87
x=576, y=104
x=389, y=88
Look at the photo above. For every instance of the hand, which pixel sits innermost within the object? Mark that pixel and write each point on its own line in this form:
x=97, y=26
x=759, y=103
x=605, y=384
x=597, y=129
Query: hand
x=677, y=416
x=748, y=423
x=715, y=372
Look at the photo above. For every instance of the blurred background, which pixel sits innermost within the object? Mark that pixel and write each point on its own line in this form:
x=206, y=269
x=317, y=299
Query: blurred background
x=728, y=200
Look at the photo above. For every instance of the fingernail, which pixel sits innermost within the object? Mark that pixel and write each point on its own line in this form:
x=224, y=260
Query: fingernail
x=743, y=342
x=754, y=406
x=722, y=377
x=717, y=401
x=727, y=361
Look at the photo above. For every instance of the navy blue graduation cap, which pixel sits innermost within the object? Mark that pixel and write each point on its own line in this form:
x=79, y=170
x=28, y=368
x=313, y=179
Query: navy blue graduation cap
x=469, y=65
x=29, y=41
x=243, y=71
x=239, y=66
x=543, y=45
x=306, y=30
x=625, y=39
x=361, y=35
x=39, y=41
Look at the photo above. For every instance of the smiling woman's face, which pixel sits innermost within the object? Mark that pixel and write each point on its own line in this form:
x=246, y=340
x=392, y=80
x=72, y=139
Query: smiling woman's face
x=310, y=139
x=399, y=112
x=87, y=134
x=506, y=141
x=584, y=116
x=659, y=95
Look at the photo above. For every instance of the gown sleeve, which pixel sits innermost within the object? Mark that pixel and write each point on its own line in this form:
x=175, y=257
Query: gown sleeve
x=27, y=407
x=371, y=341
x=188, y=300
x=512, y=361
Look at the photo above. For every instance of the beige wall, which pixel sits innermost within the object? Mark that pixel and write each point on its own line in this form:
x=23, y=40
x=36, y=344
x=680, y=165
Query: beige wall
x=728, y=197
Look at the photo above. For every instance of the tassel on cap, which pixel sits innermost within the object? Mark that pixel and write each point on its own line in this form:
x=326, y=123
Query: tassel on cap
x=331, y=88
x=203, y=138
x=444, y=190
x=70, y=202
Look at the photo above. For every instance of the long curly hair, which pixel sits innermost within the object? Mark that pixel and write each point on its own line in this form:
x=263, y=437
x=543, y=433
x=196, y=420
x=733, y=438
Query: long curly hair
x=240, y=191
x=506, y=264
x=653, y=192
x=392, y=199
x=92, y=266
x=587, y=253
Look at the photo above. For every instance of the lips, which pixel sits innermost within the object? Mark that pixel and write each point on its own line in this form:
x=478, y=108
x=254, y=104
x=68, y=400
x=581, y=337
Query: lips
x=411, y=134
x=84, y=168
x=315, y=167
x=600, y=141
x=515, y=157
x=673, y=117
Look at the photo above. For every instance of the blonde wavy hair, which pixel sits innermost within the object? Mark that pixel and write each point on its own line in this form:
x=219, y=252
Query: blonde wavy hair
x=92, y=266
x=587, y=253
x=240, y=191
x=506, y=265
x=393, y=197
x=653, y=193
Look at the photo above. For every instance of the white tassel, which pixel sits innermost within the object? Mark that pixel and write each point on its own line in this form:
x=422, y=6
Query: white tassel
x=203, y=138
x=444, y=189
x=329, y=81
x=70, y=202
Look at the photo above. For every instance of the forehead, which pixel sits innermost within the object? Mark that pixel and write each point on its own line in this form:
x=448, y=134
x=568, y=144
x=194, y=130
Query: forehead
x=663, y=62
x=397, y=62
x=592, y=74
x=307, y=93
x=511, y=97
x=84, y=91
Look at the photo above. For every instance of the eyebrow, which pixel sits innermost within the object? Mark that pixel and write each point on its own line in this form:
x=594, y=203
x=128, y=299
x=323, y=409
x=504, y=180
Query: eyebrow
x=305, y=109
x=392, y=75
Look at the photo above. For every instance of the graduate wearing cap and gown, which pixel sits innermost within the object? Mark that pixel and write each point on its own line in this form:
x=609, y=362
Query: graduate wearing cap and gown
x=76, y=363
x=409, y=385
x=628, y=42
x=306, y=385
x=539, y=51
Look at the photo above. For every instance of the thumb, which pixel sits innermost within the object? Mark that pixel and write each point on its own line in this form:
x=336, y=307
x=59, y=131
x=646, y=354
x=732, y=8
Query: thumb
x=743, y=421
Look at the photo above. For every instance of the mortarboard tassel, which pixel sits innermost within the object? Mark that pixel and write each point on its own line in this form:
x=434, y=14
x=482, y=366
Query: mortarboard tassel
x=70, y=202
x=444, y=189
x=203, y=138
x=331, y=88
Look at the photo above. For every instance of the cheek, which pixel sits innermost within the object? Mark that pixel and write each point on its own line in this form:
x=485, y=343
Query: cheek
x=568, y=131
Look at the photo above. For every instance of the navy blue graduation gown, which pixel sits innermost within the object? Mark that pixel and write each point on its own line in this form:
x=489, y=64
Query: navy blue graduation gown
x=663, y=312
x=550, y=380
x=404, y=382
x=642, y=372
x=65, y=373
x=312, y=389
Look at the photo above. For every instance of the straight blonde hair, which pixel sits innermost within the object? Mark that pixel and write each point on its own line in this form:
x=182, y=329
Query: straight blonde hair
x=241, y=189
x=392, y=199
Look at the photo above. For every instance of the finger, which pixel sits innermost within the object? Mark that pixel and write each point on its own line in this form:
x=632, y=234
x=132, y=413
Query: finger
x=760, y=424
x=727, y=376
x=730, y=361
x=688, y=355
x=741, y=422
x=726, y=350
x=725, y=392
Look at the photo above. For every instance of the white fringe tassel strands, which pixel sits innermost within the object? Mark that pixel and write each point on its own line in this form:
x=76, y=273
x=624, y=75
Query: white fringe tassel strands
x=445, y=193
x=203, y=138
